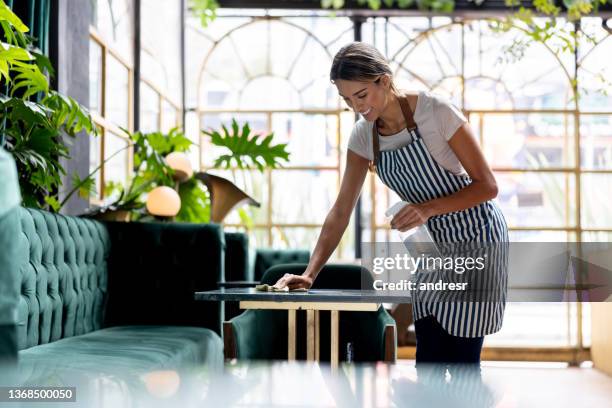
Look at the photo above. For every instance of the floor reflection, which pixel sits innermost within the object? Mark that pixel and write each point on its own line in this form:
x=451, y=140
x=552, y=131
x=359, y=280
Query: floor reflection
x=283, y=384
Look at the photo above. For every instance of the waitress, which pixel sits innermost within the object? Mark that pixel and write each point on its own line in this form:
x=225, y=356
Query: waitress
x=423, y=149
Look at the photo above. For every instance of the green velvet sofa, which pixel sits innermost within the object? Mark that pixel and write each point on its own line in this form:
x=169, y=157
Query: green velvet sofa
x=9, y=286
x=262, y=334
x=91, y=296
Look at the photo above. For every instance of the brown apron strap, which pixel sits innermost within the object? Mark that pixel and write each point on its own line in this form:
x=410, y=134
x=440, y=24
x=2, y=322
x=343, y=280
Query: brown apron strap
x=410, y=125
x=375, y=148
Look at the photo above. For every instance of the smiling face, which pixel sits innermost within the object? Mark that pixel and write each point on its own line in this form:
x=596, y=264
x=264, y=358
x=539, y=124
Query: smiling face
x=368, y=98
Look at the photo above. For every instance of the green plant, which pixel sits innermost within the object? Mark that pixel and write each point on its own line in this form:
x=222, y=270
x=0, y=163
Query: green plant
x=205, y=9
x=34, y=119
x=195, y=202
x=150, y=170
x=543, y=25
x=445, y=6
x=246, y=149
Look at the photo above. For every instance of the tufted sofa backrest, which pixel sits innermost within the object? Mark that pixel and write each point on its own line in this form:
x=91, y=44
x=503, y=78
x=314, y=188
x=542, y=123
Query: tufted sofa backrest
x=62, y=264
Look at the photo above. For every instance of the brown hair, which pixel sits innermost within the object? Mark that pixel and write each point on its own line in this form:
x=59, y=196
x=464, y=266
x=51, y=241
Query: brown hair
x=359, y=61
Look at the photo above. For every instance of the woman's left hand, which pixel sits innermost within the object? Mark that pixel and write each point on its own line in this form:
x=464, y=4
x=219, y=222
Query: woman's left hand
x=412, y=215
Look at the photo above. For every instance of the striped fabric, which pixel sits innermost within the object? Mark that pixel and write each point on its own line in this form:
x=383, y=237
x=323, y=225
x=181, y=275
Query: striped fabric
x=416, y=177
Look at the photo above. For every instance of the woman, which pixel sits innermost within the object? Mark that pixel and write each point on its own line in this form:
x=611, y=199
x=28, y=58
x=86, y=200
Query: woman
x=423, y=149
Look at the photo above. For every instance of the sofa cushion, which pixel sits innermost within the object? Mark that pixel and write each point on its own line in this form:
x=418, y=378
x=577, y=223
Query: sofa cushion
x=237, y=257
x=126, y=350
x=62, y=266
x=155, y=269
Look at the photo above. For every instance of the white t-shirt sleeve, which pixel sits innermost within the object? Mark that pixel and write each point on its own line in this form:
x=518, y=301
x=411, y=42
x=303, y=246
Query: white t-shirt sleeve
x=448, y=117
x=359, y=142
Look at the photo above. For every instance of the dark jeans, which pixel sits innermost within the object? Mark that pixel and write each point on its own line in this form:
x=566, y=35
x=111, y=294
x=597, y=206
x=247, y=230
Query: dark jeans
x=435, y=345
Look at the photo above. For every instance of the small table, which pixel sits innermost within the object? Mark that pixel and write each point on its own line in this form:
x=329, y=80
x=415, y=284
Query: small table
x=313, y=301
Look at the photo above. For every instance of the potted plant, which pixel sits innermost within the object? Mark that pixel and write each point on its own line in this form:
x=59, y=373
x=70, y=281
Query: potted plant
x=34, y=120
x=244, y=150
x=150, y=170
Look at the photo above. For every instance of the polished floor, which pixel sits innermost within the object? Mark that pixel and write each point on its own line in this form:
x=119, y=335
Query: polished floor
x=301, y=384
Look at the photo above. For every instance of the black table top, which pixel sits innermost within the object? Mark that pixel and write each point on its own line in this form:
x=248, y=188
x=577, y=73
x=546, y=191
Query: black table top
x=313, y=295
x=238, y=284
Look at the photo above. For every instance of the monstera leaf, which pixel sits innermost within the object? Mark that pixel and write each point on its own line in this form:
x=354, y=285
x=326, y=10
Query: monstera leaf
x=247, y=149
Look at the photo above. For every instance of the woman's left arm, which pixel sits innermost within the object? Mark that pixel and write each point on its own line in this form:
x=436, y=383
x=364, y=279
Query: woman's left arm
x=482, y=188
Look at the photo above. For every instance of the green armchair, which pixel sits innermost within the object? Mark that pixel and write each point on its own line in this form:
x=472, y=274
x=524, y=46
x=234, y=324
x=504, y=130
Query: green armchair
x=262, y=334
x=246, y=264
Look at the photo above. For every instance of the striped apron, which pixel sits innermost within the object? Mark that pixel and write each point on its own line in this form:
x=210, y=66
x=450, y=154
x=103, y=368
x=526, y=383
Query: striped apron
x=413, y=174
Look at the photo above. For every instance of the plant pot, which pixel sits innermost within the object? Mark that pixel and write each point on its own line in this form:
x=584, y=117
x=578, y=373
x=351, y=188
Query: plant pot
x=112, y=215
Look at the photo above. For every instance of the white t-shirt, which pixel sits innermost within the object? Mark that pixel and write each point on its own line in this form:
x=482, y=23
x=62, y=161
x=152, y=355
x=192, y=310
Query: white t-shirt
x=437, y=119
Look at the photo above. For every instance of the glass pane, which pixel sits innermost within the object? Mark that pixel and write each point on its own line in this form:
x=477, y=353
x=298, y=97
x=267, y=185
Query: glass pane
x=116, y=169
x=542, y=199
x=312, y=139
x=597, y=236
x=529, y=140
x=288, y=64
x=95, y=147
x=213, y=121
x=303, y=196
x=169, y=118
x=586, y=324
x=192, y=131
x=149, y=108
x=595, y=67
x=259, y=238
x=160, y=52
x=533, y=324
x=596, y=141
x=280, y=94
x=497, y=80
x=114, y=21
x=295, y=238
x=596, y=205
x=542, y=236
x=95, y=77
x=117, y=92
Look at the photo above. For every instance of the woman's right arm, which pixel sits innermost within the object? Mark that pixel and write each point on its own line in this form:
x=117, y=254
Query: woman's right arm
x=335, y=223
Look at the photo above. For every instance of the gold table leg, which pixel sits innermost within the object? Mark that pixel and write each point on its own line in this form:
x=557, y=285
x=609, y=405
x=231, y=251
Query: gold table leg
x=291, y=335
x=310, y=335
x=317, y=329
x=334, y=338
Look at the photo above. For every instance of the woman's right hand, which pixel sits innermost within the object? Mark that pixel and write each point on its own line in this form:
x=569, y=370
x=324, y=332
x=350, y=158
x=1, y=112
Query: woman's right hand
x=294, y=282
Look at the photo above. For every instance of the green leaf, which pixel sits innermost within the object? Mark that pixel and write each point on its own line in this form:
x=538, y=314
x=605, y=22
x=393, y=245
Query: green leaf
x=54, y=205
x=68, y=114
x=7, y=15
x=113, y=187
x=195, y=202
x=205, y=9
x=43, y=63
x=247, y=149
x=245, y=218
x=29, y=77
x=405, y=3
x=87, y=186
